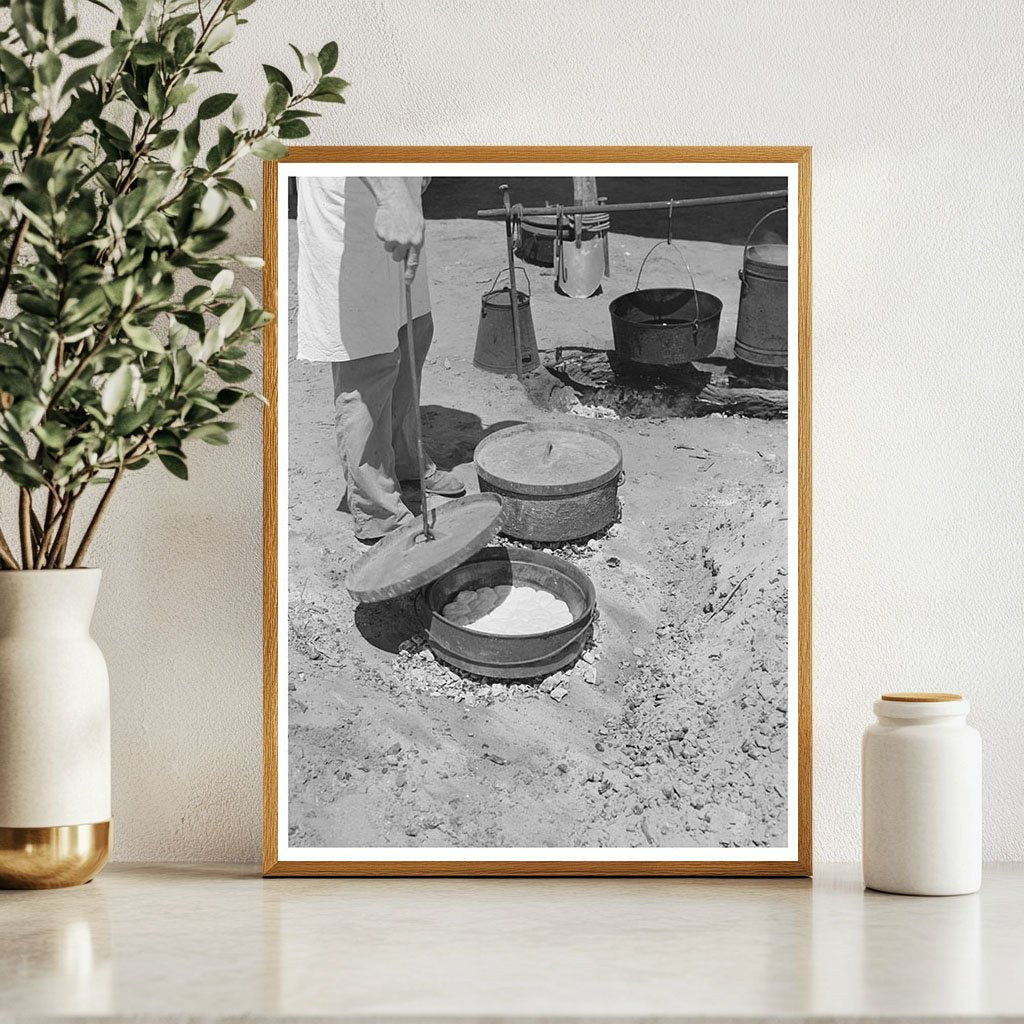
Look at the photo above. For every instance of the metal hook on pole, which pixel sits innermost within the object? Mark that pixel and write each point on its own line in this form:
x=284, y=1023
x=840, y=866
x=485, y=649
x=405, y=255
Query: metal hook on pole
x=671, y=208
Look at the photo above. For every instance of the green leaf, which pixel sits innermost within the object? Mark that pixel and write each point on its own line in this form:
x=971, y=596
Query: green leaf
x=37, y=304
x=49, y=68
x=184, y=44
x=216, y=104
x=292, y=130
x=129, y=421
x=175, y=464
x=116, y=390
x=222, y=281
x=227, y=397
x=21, y=471
x=64, y=27
x=149, y=53
x=144, y=338
x=328, y=57
x=232, y=319
x=78, y=78
x=109, y=65
x=327, y=96
x=129, y=207
x=274, y=75
x=181, y=94
x=221, y=35
x=26, y=414
x=276, y=99
x=195, y=297
x=269, y=149
x=211, y=433
x=16, y=70
x=53, y=435
x=82, y=48
x=193, y=379
x=162, y=139
x=233, y=373
x=133, y=12
x=25, y=17
x=12, y=356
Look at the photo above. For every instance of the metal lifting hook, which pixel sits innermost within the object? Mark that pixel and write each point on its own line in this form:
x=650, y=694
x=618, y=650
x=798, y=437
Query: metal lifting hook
x=410, y=358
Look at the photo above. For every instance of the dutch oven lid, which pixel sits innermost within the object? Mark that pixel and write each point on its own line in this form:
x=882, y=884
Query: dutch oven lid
x=404, y=561
x=548, y=459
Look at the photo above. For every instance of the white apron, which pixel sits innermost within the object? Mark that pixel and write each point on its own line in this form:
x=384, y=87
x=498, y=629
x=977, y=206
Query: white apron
x=351, y=291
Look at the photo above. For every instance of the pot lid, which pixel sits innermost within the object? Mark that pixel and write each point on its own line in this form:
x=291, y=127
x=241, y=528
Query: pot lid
x=547, y=458
x=404, y=561
x=769, y=254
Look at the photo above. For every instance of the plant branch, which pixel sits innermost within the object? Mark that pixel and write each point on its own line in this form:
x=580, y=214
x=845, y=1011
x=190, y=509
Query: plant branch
x=86, y=358
x=6, y=554
x=94, y=523
x=12, y=255
x=22, y=229
x=51, y=524
x=25, y=523
x=37, y=528
x=60, y=543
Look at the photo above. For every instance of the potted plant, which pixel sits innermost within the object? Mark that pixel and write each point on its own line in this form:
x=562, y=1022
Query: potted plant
x=122, y=343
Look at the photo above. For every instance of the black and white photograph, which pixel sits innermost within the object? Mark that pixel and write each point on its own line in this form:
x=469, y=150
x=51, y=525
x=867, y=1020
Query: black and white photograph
x=537, y=513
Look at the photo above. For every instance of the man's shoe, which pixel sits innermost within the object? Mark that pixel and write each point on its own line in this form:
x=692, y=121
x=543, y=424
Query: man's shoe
x=448, y=485
x=365, y=543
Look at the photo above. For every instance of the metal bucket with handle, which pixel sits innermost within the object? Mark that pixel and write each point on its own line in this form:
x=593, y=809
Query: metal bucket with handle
x=661, y=329
x=495, y=339
x=762, y=324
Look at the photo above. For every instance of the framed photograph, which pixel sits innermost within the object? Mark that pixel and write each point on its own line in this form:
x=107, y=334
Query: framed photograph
x=537, y=511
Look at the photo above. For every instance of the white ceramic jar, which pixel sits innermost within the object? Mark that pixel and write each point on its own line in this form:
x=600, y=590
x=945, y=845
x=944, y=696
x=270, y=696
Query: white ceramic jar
x=921, y=788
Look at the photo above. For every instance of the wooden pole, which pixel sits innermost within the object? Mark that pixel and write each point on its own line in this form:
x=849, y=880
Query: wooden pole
x=584, y=193
x=665, y=204
x=513, y=291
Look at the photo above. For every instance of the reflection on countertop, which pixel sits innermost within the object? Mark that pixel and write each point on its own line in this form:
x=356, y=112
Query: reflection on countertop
x=178, y=941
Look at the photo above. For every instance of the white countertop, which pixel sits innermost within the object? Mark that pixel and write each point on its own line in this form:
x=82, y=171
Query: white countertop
x=180, y=941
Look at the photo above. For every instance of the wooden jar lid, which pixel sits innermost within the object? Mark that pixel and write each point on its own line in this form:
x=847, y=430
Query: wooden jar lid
x=921, y=698
x=548, y=459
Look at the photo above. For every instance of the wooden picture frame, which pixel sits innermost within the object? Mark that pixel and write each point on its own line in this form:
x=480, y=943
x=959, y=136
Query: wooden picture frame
x=799, y=860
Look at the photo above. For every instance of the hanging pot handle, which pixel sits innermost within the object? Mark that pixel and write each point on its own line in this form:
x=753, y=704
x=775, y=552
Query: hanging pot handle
x=693, y=284
x=504, y=270
x=770, y=213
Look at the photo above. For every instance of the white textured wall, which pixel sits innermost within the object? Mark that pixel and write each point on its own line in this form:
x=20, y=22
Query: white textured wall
x=914, y=113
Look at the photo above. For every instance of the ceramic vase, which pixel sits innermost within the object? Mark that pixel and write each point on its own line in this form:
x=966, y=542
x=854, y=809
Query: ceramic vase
x=54, y=731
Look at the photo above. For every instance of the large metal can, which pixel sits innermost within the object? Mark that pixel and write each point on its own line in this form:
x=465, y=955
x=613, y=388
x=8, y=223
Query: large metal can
x=762, y=324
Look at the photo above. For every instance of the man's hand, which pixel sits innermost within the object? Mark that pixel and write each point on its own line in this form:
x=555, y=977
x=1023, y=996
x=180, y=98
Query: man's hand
x=399, y=222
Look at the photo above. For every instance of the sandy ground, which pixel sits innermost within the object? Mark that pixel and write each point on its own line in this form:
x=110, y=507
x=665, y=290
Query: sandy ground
x=670, y=732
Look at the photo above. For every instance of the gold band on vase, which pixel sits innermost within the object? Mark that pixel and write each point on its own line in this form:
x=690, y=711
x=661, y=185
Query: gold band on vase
x=52, y=857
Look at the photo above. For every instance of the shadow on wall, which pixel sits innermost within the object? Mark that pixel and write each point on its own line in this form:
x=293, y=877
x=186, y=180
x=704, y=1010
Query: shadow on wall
x=460, y=198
